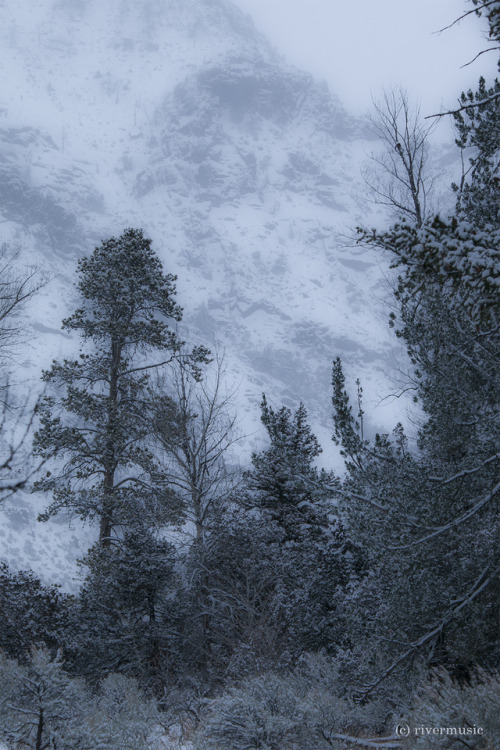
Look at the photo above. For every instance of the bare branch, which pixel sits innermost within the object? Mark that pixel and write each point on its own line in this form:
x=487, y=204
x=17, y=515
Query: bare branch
x=483, y=52
x=460, y=18
x=473, y=105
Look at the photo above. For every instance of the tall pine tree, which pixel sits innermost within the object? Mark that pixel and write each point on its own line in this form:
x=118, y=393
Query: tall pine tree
x=92, y=423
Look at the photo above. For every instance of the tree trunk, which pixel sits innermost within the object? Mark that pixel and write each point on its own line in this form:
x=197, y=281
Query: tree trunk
x=39, y=731
x=106, y=522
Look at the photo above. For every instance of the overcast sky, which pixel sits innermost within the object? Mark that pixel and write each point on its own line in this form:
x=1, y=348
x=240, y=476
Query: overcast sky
x=359, y=46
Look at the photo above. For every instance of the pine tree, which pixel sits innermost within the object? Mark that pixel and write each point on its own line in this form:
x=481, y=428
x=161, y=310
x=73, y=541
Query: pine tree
x=283, y=480
x=428, y=519
x=30, y=612
x=428, y=525
x=94, y=423
x=122, y=619
x=272, y=573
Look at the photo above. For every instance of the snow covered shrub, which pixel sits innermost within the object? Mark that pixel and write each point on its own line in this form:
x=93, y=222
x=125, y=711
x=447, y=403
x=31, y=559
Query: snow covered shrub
x=39, y=703
x=263, y=714
x=41, y=706
x=303, y=709
x=471, y=709
x=325, y=686
x=124, y=718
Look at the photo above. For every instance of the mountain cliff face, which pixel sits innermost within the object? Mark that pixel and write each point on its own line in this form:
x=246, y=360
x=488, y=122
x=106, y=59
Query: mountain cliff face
x=177, y=116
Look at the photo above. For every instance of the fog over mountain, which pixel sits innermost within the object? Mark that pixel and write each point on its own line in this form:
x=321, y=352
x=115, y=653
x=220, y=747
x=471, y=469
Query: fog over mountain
x=178, y=116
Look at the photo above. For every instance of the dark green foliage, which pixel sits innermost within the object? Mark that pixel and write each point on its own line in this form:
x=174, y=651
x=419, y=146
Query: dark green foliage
x=478, y=128
x=122, y=620
x=347, y=429
x=30, y=613
x=268, y=579
x=283, y=480
x=490, y=9
x=127, y=299
x=428, y=518
x=429, y=529
x=258, y=599
x=227, y=611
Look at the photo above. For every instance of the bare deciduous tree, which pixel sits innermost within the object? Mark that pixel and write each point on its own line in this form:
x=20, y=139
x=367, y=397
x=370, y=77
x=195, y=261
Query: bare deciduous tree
x=399, y=177
x=17, y=287
x=194, y=428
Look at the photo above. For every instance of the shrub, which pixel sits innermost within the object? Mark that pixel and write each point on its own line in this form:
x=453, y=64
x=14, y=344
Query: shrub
x=444, y=703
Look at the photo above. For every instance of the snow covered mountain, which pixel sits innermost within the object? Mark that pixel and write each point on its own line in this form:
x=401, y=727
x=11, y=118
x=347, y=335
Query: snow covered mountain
x=177, y=116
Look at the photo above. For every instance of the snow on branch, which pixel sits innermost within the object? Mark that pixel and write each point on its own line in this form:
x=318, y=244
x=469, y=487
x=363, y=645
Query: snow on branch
x=479, y=585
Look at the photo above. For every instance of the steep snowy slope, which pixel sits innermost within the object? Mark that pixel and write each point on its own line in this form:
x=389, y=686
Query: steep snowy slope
x=177, y=116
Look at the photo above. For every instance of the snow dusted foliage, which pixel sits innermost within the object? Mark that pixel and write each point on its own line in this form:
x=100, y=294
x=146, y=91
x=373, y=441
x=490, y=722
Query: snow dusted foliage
x=455, y=258
x=264, y=713
x=269, y=578
x=30, y=612
x=490, y=9
x=123, y=618
x=283, y=480
x=304, y=708
x=478, y=128
x=428, y=518
x=460, y=709
x=42, y=707
x=39, y=703
x=428, y=523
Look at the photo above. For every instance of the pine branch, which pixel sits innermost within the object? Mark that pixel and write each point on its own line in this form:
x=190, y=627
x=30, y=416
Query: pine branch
x=479, y=585
x=466, y=472
x=451, y=525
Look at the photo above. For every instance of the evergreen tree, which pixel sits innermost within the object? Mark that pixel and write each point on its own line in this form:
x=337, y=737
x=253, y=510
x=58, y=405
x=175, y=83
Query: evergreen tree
x=283, y=480
x=429, y=520
x=30, y=612
x=314, y=559
x=122, y=621
x=491, y=10
x=94, y=425
x=478, y=128
x=428, y=525
x=271, y=575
